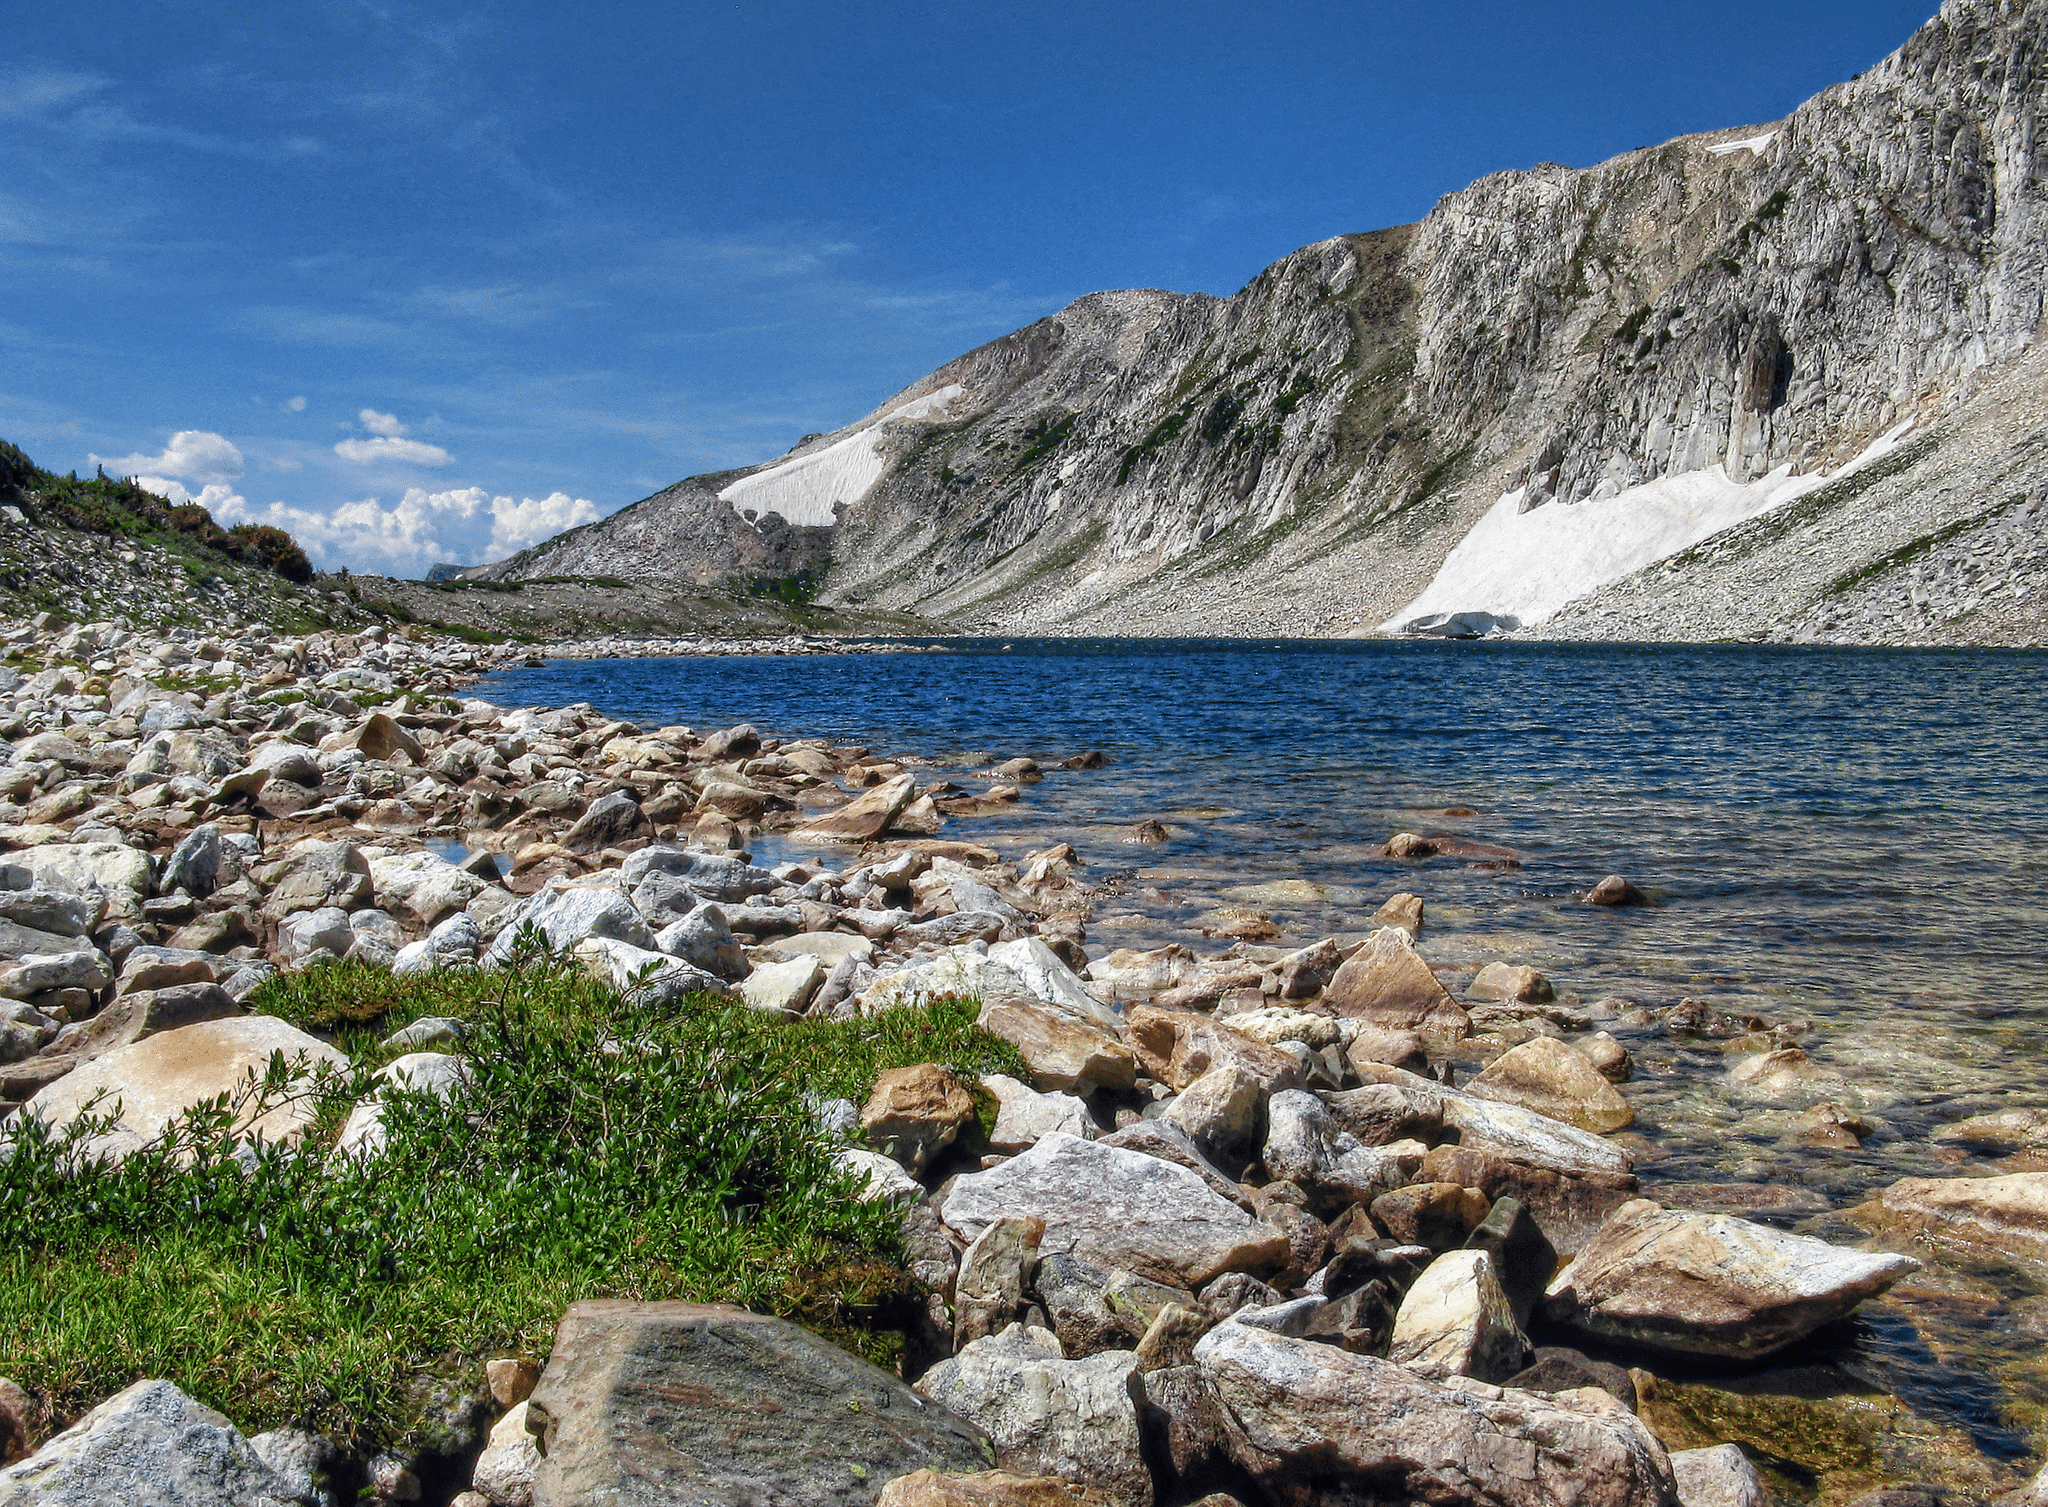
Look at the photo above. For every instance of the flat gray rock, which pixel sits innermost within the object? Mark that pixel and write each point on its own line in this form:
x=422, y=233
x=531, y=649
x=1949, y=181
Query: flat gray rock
x=1117, y=1208
x=653, y=1404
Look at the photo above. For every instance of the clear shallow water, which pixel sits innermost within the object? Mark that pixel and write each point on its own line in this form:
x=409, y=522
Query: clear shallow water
x=1853, y=838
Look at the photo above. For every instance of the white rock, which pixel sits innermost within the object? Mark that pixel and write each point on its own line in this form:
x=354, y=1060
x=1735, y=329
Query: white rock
x=1306, y=1147
x=1456, y=1321
x=424, y=883
x=80, y=867
x=568, y=914
x=886, y=1179
x=783, y=988
x=641, y=975
x=505, y=1470
x=1047, y=978
x=1718, y=1477
x=1024, y=1116
x=438, y=1073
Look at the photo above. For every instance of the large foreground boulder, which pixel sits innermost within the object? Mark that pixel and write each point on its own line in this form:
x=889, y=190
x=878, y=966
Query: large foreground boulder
x=1117, y=1208
x=649, y=1404
x=148, y=1446
x=1313, y=1423
x=154, y=1081
x=1387, y=985
x=1711, y=1284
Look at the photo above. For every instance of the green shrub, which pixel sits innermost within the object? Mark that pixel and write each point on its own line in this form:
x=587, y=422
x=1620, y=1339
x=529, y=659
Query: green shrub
x=601, y=1149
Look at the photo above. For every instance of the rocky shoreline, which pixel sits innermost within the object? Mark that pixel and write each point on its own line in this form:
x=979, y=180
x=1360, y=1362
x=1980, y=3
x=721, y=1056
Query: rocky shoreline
x=1234, y=1234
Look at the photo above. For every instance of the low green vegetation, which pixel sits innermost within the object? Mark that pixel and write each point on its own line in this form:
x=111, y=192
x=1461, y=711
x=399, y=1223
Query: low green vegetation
x=603, y=1147
x=121, y=509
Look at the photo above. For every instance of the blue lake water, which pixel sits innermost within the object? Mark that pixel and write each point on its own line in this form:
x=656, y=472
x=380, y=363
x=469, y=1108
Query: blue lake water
x=1854, y=838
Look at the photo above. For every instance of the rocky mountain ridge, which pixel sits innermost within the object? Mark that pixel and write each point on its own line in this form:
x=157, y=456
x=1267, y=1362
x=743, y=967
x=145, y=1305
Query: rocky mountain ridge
x=1606, y=368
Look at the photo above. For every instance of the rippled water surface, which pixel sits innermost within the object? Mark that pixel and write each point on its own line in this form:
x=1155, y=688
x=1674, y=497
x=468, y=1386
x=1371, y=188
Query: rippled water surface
x=1846, y=837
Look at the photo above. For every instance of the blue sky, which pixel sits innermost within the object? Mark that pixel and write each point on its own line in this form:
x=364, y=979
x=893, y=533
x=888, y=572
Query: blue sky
x=430, y=281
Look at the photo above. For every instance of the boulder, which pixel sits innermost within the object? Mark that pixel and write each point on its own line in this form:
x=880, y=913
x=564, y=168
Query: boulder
x=153, y=1081
x=648, y=1404
x=1179, y=1046
x=1381, y=1113
x=1710, y=1284
x=1092, y=1310
x=288, y=762
x=1040, y=970
x=1306, y=1147
x=1387, y=985
x=567, y=914
x=608, y=821
x=715, y=876
x=147, y=1446
x=1117, y=1208
x=642, y=976
x=1456, y=1321
x=40, y=972
x=1524, y=1260
x=1024, y=1116
x=1170, y=1143
x=1615, y=890
x=1506, y=981
x=995, y=1274
x=1437, y=1216
x=316, y=876
x=194, y=864
x=144, y=1013
x=1718, y=1477
x=1223, y=1112
x=1569, y=1207
x=1065, y=1054
x=441, y=1074
x=86, y=866
x=510, y=1460
x=704, y=940
x=1547, y=1076
x=305, y=932
x=783, y=988
x=1047, y=1414
x=379, y=738
x=914, y=1113
x=2009, y=1212
x=883, y=1177
x=53, y=911
x=1304, y=1417
x=864, y=818
x=424, y=883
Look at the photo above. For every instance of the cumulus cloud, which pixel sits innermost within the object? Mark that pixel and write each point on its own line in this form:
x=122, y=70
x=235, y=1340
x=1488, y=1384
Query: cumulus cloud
x=295, y=405
x=218, y=498
x=192, y=454
x=515, y=525
x=420, y=529
x=390, y=444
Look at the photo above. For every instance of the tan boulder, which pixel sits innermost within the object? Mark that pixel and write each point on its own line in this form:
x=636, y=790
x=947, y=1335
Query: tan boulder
x=1066, y=1053
x=1549, y=1077
x=1178, y=1046
x=1387, y=984
x=993, y=1488
x=155, y=1080
x=916, y=1112
x=2009, y=1212
x=864, y=818
x=1509, y=981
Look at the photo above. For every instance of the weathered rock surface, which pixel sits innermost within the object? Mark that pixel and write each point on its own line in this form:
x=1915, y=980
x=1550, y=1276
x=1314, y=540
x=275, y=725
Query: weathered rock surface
x=1117, y=1208
x=1066, y=1055
x=1718, y=1477
x=645, y=1403
x=1304, y=1418
x=991, y=1488
x=1047, y=1414
x=1456, y=1321
x=147, y=1446
x=1709, y=1284
x=1387, y=985
x=2010, y=1212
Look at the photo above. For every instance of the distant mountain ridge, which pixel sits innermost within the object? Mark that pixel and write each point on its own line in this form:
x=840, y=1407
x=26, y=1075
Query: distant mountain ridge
x=1773, y=381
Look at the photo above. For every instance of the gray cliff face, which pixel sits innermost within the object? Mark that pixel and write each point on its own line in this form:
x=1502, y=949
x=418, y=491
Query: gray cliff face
x=1301, y=457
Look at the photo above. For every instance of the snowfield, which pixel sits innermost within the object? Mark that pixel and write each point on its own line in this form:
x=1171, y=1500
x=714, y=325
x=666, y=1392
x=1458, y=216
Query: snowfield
x=807, y=489
x=1530, y=565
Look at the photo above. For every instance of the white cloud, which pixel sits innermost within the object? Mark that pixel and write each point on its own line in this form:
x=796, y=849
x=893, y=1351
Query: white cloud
x=389, y=445
x=295, y=405
x=406, y=452
x=514, y=526
x=193, y=454
x=421, y=529
x=217, y=498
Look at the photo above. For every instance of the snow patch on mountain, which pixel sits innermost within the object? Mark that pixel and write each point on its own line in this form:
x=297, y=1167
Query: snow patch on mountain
x=1754, y=145
x=1530, y=565
x=809, y=489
